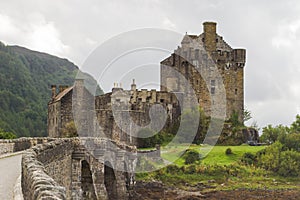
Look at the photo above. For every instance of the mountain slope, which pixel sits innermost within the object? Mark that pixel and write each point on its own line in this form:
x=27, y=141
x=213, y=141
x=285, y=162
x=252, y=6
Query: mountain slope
x=25, y=80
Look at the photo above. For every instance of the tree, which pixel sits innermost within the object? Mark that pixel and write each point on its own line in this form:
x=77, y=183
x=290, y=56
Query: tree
x=295, y=126
x=247, y=115
x=6, y=135
x=271, y=134
x=69, y=130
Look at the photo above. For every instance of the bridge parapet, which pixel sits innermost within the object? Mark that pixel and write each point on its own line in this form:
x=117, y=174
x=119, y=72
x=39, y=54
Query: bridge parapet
x=76, y=168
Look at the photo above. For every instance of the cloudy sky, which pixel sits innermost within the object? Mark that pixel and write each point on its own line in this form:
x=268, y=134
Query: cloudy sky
x=269, y=30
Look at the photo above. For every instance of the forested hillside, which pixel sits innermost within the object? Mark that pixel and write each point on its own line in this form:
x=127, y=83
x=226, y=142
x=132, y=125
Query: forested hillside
x=25, y=80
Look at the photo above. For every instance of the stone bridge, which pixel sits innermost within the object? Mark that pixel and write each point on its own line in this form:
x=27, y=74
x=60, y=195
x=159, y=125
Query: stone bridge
x=75, y=168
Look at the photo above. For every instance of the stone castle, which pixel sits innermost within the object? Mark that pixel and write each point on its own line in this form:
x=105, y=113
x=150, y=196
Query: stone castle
x=193, y=61
x=101, y=163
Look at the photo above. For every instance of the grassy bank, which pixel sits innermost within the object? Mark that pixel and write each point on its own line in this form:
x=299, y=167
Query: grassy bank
x=217, y=170
x=216, y=154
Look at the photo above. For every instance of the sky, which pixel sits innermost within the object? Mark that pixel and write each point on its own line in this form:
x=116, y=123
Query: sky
x=269, y=30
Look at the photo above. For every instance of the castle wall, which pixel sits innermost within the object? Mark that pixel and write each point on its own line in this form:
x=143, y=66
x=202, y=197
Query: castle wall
x=193, y=64
x=131, y=110
x=54, y=119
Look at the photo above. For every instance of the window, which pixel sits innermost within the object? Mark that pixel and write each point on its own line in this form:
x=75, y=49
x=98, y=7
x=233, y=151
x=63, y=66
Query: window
x=212, y=86
x=197, y=54
x=212, y=90
x=213, y=82
x=235, y=91
x=195, y=63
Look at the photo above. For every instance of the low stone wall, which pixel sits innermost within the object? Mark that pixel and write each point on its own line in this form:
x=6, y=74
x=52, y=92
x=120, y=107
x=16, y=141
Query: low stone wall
x=20, y=144
x=46, y=170
x=73, y=168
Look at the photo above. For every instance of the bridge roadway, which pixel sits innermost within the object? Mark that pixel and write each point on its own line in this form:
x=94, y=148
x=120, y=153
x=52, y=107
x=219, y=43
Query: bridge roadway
x=10, y=170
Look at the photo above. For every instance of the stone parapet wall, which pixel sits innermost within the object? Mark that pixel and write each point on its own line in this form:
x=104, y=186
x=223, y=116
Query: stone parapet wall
x=20, y=144
x=73, y=168
x=45, y=174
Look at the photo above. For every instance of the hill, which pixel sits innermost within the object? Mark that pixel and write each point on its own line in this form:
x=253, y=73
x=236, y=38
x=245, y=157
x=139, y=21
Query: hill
x=25, y=80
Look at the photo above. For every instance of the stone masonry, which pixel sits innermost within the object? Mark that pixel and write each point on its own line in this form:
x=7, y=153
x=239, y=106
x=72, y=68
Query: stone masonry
x=195, y=59
x=78, y=168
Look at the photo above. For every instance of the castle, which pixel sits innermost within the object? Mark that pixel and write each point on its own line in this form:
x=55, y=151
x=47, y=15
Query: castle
x=130, y=109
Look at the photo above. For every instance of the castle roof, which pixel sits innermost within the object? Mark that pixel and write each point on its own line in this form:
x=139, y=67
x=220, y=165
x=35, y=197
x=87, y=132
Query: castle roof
x=62, y=94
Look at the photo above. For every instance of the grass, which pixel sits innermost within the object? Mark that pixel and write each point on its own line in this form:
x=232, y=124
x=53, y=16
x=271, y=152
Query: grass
x=226, y=171
x=216, y=155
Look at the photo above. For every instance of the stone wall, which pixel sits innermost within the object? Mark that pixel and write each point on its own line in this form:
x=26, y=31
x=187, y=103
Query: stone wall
x=74, y=168
x=197, y=62
x=20, y=144
x=36, y=182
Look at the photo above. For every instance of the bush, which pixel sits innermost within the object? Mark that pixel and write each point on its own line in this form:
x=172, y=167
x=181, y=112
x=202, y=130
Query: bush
x=173, y=169
x=190, y=169
x=228, y=151
x=270, y=160
x=249, y=158
x=289, y=163
x=191, y=156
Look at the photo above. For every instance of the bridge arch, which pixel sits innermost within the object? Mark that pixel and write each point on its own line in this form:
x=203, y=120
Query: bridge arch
x=88, y=191
x=110, y=181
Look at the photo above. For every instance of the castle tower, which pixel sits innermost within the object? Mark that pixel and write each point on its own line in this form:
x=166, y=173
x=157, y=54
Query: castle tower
x=194, y=60
x=210, y=36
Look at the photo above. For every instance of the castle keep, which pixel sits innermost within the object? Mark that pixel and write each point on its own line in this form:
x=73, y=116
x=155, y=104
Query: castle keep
x=194, y=60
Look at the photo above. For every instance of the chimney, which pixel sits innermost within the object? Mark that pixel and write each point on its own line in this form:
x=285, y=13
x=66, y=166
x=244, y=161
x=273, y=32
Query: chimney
x=210, y=36
x=53, y=90
x=79, y=82
x=61, y=88
x=133, y=85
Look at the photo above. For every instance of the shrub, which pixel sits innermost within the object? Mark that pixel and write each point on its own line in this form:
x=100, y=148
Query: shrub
x=190, y=169
x=191, y=156
x=270, y=160
x=173, y=169
x=249, y=158
x=289, y=163
x=228, y=151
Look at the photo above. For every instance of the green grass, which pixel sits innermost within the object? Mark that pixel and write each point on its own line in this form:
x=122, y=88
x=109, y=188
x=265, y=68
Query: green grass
x=215, y=156
x=225, y=170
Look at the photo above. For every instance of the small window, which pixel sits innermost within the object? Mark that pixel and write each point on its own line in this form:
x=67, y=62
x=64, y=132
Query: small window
x=161, y=100
x=212, y=90
x=235, y=91
x=212, y=86
x=213, y=82
x=197, y=54
x=195, y=63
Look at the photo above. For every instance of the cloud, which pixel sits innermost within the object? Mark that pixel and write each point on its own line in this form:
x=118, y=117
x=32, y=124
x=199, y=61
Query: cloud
x=168, y=24
x=269, y=31
x=287, y=34
x=36, y=34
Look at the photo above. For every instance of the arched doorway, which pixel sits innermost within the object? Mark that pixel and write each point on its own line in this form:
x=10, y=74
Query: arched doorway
x=110, y=181
x=87, y=186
